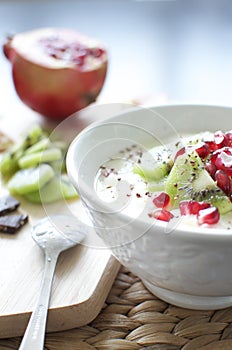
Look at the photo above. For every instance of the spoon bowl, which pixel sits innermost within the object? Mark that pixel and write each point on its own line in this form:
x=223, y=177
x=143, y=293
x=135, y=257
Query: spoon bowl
x=57, y=233
x=53, y=235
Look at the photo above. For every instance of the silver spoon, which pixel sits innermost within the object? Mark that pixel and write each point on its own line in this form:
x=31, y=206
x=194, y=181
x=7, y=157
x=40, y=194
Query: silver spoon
x=53, y=234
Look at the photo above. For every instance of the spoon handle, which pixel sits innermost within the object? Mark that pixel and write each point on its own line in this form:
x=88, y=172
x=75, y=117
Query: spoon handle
x=35, y=332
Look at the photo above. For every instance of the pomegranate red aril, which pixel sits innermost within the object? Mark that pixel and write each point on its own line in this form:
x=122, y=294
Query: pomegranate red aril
x=191, y=207
x=56, y=71
x=213, y=157
x=54, y=55
x=228, y=136
x=223, y=181
x=60, y=50
x=208, y=216
x=162, y=200
x=162, y=214
x=230, y=194
x=220, y=139
x=211, y=168
x=79, y=59
x=202, y=150
x=97, y=52
x=212, y=145
x=179, y=153
x=222, y=159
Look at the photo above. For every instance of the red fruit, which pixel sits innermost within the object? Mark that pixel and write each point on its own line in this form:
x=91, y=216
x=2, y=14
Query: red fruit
x=223, y=181
x=222, y=159
x=203, y=150
x=162, y=200
x=211, y=168
x=179, y=153
x=209, y=216
x=212, y=145
x=162, y=214
x=56, y=72
x=228, y=136
x=220, y=139
x=191, y=207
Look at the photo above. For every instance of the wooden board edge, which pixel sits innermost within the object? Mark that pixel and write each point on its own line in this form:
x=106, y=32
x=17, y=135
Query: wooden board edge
x=68, y=317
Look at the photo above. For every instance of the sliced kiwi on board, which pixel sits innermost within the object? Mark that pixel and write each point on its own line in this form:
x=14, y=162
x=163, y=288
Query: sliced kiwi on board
x=189, y=180
x=30, y=180
x=45, y=156
x=57, y=188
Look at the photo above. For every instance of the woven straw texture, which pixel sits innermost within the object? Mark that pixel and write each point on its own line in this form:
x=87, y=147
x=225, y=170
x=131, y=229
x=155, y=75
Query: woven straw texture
x=133, y=318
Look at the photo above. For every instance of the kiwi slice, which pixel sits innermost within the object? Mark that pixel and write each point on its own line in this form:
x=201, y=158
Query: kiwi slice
x=155, y=186
x=46, y=156
x=8, y=165
x=189, y=180
x=57, y=188
x=154, y=167
x=41, y=145
x=30, y=180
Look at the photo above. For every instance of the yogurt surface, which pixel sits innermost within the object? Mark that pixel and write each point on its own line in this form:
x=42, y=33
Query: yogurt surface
x=123, y=190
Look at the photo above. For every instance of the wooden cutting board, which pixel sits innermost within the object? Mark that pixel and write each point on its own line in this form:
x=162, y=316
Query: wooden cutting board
x=84, y=274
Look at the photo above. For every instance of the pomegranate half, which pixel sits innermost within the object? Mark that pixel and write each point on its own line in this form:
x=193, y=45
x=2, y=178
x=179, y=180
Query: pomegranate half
x=56, y=71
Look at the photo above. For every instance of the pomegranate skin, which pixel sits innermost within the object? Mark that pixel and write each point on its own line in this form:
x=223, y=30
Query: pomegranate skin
x=55, y=88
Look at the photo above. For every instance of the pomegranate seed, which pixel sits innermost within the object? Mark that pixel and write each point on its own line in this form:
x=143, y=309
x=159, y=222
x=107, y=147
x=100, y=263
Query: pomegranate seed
x=162, y=200
x=54, y=55
x=230, y=190
x=223, y=181
x=222, y=159
x=79, y=59
x=179, y=153
x=97, y=52
x=209, y=216
x=203, y=150
x=230, y=187
x=228, y=136
x=192, y=207
x=211, y=168
x=220, y=139
x=162, y=214
x=212, y=145
x=75, y=52
x=214, y=156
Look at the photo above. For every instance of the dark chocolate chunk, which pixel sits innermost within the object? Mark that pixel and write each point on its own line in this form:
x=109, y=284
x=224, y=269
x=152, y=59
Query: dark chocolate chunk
x=12, y=223
x=8, y=204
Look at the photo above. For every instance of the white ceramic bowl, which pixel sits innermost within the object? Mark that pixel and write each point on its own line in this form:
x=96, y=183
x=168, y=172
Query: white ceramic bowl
x=187, y=267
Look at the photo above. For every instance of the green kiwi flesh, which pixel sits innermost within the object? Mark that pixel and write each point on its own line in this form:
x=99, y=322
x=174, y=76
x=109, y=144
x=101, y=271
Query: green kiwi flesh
x=188, y=180
x=152, y=170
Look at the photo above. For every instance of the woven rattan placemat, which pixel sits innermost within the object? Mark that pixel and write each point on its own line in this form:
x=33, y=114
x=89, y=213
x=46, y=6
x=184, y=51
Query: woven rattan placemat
x=133, y=318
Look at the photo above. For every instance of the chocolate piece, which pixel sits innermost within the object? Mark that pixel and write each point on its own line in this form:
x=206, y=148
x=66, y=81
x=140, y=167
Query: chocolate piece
x=8, y=204
x=12, y=223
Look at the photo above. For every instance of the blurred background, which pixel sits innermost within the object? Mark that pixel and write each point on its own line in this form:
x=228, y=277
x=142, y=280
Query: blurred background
x=163, y=51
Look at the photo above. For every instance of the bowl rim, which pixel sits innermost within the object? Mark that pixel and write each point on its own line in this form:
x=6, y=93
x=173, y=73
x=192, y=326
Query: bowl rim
x=201, y=232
